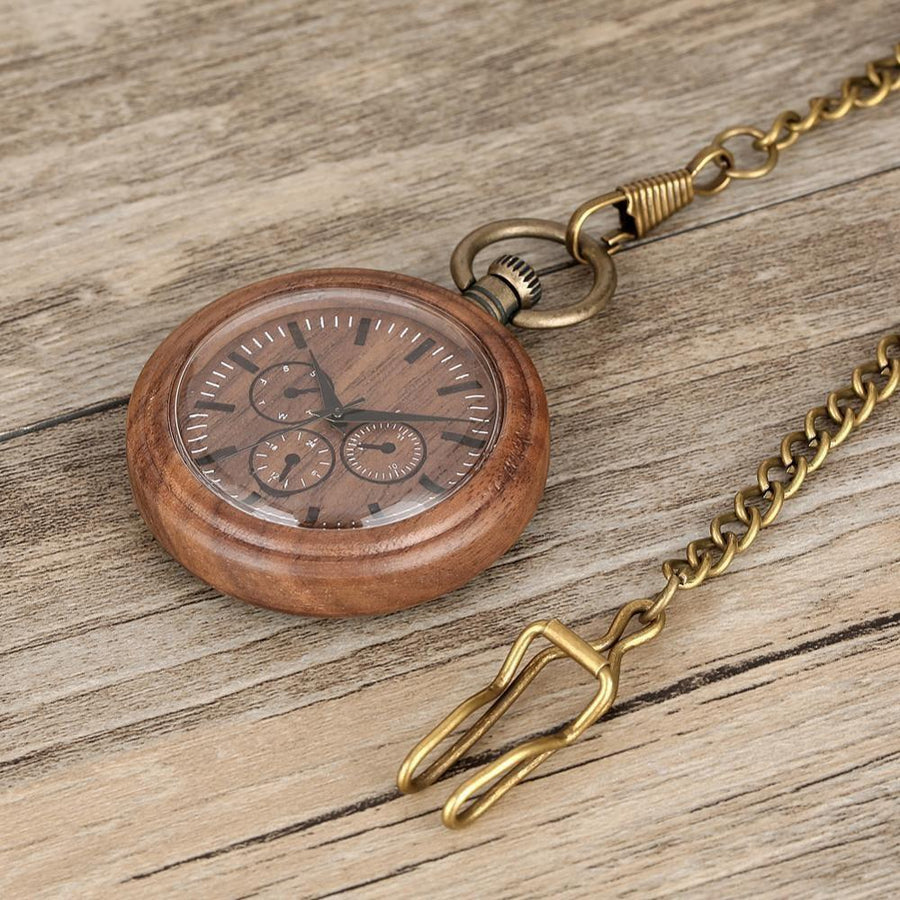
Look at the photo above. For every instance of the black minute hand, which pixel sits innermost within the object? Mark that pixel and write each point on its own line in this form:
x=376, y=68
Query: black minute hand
x=377, y=415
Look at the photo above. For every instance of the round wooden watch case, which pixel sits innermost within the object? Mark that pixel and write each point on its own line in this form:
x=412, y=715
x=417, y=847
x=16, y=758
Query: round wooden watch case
x=340, y=572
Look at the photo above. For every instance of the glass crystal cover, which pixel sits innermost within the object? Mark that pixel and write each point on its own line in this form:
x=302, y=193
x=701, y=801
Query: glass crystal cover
x=337, y=408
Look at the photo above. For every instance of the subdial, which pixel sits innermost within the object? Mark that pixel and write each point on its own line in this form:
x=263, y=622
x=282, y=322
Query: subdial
x=383, y=452
x=291, y=462
x=286, y=391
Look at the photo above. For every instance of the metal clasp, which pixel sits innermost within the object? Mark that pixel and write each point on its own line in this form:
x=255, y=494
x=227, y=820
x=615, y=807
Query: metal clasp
x=642, y=205
x=601, y=658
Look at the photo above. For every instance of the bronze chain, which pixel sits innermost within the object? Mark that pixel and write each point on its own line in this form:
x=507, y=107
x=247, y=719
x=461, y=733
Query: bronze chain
x=779, y=477
x=857, y=92
x=642, y=205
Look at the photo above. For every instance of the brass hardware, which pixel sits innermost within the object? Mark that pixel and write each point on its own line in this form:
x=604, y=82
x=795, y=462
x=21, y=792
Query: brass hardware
x=521, y=277
x=756, y=507
x=642, y=205
x=769, y=150
x=574, y=234
x=652, y=200
x=597, y=257
x=723, y=160
x=601, y=658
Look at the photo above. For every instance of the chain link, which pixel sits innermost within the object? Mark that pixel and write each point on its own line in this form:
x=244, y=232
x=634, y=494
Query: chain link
x=857, y=92
x=780, y=477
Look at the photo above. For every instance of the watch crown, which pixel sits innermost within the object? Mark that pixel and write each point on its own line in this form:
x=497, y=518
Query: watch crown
x=509, y=285
x=520, y=276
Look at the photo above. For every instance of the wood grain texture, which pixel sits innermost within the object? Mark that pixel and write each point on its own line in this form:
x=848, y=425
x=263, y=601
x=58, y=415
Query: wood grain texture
x=158, y=739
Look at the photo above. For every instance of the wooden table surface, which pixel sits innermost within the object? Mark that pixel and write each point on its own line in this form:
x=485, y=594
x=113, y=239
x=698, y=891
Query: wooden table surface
x=159, y=739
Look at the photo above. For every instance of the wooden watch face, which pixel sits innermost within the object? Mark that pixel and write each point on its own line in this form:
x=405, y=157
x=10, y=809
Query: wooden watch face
x=343, y=407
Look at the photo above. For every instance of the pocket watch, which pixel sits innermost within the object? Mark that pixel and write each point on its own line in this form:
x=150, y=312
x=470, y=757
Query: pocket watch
x=338, y=442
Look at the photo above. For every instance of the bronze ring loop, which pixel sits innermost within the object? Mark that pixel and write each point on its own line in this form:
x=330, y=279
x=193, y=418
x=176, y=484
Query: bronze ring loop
x=597, y=258
x=724, y=161
x=750, y=131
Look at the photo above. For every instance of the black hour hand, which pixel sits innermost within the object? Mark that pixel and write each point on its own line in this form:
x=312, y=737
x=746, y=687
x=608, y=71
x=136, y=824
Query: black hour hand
x=326, y=385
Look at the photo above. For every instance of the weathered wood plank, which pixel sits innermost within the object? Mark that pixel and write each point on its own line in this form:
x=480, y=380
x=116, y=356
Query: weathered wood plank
x=82, y=690
x=156, y=738
x=691, y=779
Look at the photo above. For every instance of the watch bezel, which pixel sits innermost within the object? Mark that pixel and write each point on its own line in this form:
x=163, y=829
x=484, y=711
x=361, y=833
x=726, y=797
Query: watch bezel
x=332, y=572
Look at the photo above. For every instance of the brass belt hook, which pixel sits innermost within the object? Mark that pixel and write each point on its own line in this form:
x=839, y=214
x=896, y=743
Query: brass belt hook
x=602, y=658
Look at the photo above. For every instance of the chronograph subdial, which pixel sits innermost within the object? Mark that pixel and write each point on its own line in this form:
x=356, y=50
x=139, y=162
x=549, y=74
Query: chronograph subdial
x=291, y=462
x=384, y=452
x=285, y=392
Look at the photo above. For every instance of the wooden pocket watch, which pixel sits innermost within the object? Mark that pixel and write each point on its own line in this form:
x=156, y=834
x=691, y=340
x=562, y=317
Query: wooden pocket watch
x=339, y=442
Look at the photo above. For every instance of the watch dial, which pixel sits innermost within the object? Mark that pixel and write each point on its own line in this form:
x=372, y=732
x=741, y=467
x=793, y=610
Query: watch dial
x=337, y=408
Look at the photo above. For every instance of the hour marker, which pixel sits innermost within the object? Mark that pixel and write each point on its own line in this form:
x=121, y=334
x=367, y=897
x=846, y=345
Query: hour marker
x=464, y=439
x=297, y=335
x=421, y=350
x=456, y=388
x=374, y=508
x=216, y=454
x=430, y=485
x=312, y=514
x=214, y=405
x=243, y=362
x=362, y=331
